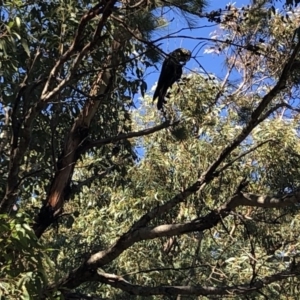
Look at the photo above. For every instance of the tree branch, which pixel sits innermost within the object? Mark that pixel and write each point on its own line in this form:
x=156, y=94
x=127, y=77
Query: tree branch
x=197, y=290
x=247, y=199
x=127, y=135
x=21, y=139
x=240, y=156
x=97, y=260
x=91, y=14
x=254, y=121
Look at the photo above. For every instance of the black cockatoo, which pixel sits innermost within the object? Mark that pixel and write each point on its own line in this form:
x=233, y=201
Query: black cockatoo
x=171, y=71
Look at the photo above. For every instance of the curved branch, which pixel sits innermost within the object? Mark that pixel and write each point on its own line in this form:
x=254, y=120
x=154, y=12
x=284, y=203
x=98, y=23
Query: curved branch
x=128, y=135
x=210, y=220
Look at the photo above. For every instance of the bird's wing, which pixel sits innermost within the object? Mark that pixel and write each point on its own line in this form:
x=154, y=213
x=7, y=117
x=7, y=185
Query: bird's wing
x=171, y=71
x=161, y=84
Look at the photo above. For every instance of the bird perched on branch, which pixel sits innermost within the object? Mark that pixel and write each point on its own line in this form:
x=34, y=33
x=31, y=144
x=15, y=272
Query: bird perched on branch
x=171, y=71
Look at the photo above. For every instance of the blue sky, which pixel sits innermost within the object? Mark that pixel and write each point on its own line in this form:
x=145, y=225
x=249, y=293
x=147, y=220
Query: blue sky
x=211, y=62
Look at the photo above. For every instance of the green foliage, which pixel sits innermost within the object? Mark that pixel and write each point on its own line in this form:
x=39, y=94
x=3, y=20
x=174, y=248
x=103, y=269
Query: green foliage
x=114, y=181
x=25, y=264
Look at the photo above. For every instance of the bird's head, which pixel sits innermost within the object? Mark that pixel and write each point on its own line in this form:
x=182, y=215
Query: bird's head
x=181, y=55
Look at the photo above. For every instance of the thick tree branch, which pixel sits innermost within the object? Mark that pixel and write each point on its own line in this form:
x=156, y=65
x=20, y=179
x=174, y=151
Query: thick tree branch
x=246, y=199
x=200, y=224
x=103, y=85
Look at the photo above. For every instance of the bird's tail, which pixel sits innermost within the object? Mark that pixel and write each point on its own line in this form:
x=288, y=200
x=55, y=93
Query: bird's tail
x=160, y=103
x=155, y=95
x=161, y=99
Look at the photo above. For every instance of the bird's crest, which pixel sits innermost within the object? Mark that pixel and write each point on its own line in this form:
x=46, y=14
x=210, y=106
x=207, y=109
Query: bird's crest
x=181, y=54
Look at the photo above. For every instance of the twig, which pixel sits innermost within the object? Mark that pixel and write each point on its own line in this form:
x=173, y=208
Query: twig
x=127, y=136
x=241, y=155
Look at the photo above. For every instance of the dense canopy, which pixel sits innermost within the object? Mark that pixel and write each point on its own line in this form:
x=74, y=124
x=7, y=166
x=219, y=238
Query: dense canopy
x=104, y=197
